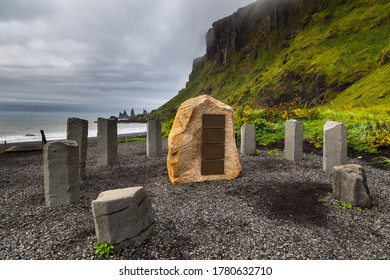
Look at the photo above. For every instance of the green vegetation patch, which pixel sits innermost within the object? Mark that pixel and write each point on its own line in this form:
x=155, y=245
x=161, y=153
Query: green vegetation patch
x=368, y=131
x=104, y=250
x=128, y=140
x=382, y=161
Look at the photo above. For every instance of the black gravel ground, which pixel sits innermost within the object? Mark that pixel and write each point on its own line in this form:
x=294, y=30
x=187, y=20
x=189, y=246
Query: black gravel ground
x=276, y=209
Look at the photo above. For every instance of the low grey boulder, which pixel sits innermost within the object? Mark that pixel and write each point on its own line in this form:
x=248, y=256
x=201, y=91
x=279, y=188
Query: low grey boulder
x=349, y=184
x=123, y=217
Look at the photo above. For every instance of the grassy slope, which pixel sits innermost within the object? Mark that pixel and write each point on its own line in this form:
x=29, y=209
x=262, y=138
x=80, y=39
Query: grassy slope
x=348, y=43
x=350, y=50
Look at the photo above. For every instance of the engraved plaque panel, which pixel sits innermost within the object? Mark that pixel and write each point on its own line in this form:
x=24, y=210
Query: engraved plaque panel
x=213, y=135
x=213, y=151
x=213, y=144
x=213, y=121
x=213, y=167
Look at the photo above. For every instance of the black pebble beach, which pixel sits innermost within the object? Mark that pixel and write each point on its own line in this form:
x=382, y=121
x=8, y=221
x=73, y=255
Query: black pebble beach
x=276, y=209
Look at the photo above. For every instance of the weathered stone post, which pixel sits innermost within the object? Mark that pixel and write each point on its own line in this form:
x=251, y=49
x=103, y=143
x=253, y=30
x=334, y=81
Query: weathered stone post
x=107, y=145
x=61, y=173
x=293, y=140
x=154, y=139
x=123, y=217
x=335, y=145
x=77, y=130
x=248, y=140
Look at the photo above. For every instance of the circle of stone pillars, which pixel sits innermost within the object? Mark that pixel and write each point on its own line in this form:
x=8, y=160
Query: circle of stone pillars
x=61, y=173
x=349, y=181
x=107, y=143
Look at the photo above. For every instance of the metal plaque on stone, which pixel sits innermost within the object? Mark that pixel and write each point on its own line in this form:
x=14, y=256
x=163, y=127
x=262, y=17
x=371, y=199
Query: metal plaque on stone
x=213, y=144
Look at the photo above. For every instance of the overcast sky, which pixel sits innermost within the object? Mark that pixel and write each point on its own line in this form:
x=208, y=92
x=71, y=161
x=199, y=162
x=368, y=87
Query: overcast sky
x=91, y=58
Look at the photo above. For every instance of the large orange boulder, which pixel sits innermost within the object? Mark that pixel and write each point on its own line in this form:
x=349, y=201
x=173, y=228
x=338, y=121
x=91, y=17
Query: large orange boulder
x=202, y=144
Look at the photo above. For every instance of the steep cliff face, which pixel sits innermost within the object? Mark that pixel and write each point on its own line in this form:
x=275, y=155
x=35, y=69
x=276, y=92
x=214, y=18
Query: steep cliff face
x=309, y=51
x=248, y=27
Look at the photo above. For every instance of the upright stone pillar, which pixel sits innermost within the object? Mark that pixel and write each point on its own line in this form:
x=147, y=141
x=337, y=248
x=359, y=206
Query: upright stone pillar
x=61, y=173
x=293, y=140
x=335, y=146
x=77, y=130
x=154, y=139
x=248, y=140
x=107, y=145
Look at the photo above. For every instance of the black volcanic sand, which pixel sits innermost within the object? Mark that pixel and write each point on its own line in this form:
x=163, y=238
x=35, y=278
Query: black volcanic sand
x=276, y=209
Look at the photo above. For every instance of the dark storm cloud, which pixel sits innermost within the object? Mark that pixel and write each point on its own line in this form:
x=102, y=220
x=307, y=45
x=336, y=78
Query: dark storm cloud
x=101, y=56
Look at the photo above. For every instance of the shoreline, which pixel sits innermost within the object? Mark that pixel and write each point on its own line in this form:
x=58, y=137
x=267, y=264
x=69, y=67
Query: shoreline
x=91, y=140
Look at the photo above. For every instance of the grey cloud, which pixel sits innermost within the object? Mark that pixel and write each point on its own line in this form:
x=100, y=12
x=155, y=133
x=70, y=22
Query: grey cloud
x=101, y=56
x=22, y=10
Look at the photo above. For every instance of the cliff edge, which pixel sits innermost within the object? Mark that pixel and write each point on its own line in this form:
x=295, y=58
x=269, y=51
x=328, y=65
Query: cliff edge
x=306, y=51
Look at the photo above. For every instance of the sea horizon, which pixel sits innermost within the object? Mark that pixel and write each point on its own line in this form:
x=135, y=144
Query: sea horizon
x=21, y=130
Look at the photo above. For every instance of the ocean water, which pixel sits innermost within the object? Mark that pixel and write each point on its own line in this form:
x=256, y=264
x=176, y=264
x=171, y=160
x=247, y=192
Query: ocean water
x=28, y=130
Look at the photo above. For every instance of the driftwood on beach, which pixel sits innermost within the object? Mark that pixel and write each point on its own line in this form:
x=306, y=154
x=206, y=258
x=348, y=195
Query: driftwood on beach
x=16, y=149
x=27, y=148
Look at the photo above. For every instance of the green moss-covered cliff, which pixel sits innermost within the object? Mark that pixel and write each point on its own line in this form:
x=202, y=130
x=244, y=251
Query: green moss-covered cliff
x=307, y=51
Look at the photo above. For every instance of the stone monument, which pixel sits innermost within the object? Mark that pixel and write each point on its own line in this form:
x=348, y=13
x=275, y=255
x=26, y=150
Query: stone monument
x=335, y=145
x=248, y=140
x=107, y=145
x=293, y=140
x=61, y=173
x=154, y=139
x=77, y=130
x=202, y=145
